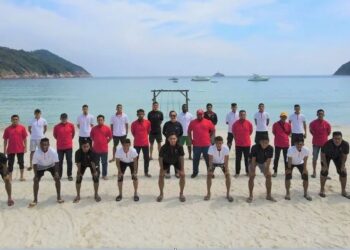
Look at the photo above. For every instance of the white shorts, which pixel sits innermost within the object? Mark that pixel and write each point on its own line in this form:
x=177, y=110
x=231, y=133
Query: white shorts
x=34, y=144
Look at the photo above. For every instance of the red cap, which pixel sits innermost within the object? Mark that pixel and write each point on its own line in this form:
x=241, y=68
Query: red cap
x=200, y=112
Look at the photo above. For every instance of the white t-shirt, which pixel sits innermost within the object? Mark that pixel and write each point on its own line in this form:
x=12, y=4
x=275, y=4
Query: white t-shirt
x=231, y=118
x=298, y=156
x=297, y=123
x=45, y=160
x=37, y=128
x=184, y=119
x=118, y=122
x=218, y=156
x=85, y=122
x=126, y=157
x=261, y=121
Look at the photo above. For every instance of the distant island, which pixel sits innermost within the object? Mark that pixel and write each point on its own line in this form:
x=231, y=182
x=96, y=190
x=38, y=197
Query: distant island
x=36, y=64
x=218, y=74
x=344, y=69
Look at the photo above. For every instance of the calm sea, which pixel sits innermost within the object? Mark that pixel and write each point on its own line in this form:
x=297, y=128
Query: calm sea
x=55, y=96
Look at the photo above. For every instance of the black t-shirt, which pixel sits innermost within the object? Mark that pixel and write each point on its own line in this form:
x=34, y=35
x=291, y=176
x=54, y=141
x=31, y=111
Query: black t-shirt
x=85, y=159
x=3, y=160
x=156, y=118
x=211, y=117
x=172, y=127
x=171, y=154
x=334, y=152
x=261, y=154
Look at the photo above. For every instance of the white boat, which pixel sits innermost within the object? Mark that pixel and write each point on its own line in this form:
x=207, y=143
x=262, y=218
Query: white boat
x=173, y=79
x=258, y=78
x=200, y=79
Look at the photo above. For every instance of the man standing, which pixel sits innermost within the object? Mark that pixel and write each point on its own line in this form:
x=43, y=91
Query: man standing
x=127, y=157
x=281, y=130
x=171, y=153
x=156, y=118
x=211, y=116
x=45, y=159
x=242, y=130
x=119, y=126
x=15, y=143
x=337, y=150
x=218, y=158
x=37, y=128
x=260, y=156
x=86, y=158
x=297, y=157
x=320, y=130
x=85, y=122
x=6, y=178
x=101, y=135
x=64, y=133
x=140, y=129
x=298, y=122
x=231, y=118
x=262, y=120
x=185, y=118
x=200, y=131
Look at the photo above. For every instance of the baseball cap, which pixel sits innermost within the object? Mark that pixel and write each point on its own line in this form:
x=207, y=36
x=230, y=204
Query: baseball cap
x=284, y=114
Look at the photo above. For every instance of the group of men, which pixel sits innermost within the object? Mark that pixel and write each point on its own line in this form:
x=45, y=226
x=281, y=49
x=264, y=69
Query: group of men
x=198, y=133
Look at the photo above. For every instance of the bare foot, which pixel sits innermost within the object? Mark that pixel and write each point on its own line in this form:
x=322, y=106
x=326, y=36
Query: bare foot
x=287, y=197
x=323, y=195
x=270, y=198
x=32, y=204
x=111, y=160
x=249, y=199
x=346, y=195
x=76, y=199
x=10, y=202
x=97, y=198
x=160, y=198
x=236, y=175
x=207, y=197
x=60, y=201
x=229, y=198
x=182, y=198
x=307, y=197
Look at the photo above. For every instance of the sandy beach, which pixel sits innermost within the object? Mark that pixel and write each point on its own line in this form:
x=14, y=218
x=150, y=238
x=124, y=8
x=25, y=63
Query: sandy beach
x=196, y=223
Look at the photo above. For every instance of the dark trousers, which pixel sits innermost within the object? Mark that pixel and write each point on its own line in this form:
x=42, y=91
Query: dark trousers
x=239, y=152
x=83, y=139
x=102, y=158
x=145, y=152
x=277, y=157
x=297, y=137
x=11, y=161
x=68, y=154
x=197, y=152
x=259, y=135
x=229, y=139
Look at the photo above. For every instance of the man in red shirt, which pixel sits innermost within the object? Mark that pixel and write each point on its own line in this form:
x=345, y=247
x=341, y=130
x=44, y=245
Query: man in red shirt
x=200, y=131
x=101, y=135
x=281, y=130
x=15, y=143
x=64, y=133
x=241, y=130
x=140, y=129
x=320, y=130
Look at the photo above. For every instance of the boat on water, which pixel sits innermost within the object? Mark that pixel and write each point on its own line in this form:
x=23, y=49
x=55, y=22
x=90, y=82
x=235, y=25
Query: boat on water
x=218, y=74
x=258, y=78
x=173, y=79
x=200, y=79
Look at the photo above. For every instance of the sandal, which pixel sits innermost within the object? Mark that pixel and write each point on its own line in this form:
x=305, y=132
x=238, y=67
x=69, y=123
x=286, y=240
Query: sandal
x=160, y=198
x=136, y=198
x=182, y=198
x=119, y=198
x=229, y=198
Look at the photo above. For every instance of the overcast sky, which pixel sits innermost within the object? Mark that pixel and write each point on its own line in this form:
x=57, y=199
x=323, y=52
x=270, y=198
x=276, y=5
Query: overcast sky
x=190, y=37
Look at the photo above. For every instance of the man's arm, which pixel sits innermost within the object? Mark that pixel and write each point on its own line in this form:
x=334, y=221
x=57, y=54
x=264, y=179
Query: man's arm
x=30, y=129
x=126, y=128
x=182, y=165
x=210, y=161
x=268, y=162
x=5, y=146
x=268, y=121
x=112, y=126
x=253, y=161
x=226, y=163
x=117, y=162
x=305, y=164
x=256, y=121
x=136, y=165
x=289, y=162
x=161, y=163
x=73, y=131
x=45, y=128
x=324, y=161
x=25, y=144
x=344, y=157
x=305, y=128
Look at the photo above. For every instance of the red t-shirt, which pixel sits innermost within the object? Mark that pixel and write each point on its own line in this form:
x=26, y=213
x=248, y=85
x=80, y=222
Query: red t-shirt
x=15, y=136
x=100, y=136
x=281, y=130
x=64, y=134
x=140, y=130
x=320, y=130
x=242, y=129
x=201, y=132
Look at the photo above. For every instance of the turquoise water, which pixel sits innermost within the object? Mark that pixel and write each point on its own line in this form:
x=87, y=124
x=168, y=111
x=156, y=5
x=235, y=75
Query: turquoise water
x=55, y=96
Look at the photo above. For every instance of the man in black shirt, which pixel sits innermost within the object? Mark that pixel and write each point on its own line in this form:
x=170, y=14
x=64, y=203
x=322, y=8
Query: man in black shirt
x=171, y=153
x=261, y=155
x=156, y=118
x=86, y=158
x=335, y=149
x=6, y=177
x=211, y=116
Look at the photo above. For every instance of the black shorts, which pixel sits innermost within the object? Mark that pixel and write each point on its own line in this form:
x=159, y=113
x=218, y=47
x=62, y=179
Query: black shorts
x=155, y=137
x=3, y=171
x=297, y=137
x=259, y=135
x=117, y=139
x=229, y=138
x=222, y=166
x=166, y=166
x=92, y=171
x=299, y=167
x=40, y=173
x=337, y=163
x=124, y=166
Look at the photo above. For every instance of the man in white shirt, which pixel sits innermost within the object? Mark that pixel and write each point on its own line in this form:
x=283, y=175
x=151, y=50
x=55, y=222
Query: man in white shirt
x=297, y=157
x=85, y=122
x=298, y=123
x=45, y=159
x=231, y=118
x=119, y=126
x=126, y=156
x=37, y=128
x=262, y=120
x=218, y=158
x=185, y=118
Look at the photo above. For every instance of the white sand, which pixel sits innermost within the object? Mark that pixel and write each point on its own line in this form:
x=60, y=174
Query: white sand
x=195, y=223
